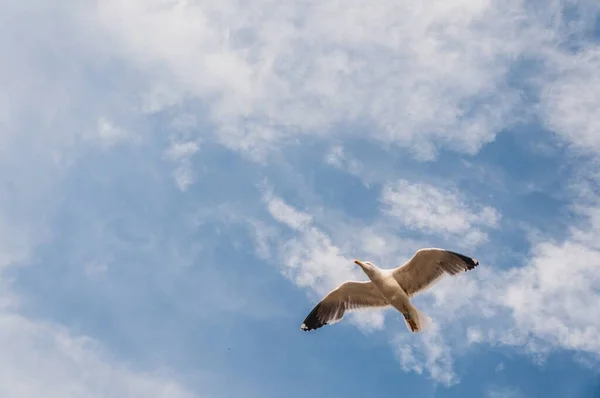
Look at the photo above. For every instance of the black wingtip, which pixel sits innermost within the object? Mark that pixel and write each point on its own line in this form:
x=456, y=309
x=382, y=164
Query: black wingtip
x=470, y=262
x=312, y=321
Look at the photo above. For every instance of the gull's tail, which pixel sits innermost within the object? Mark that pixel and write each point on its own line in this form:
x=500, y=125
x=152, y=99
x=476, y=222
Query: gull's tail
x=416, y=321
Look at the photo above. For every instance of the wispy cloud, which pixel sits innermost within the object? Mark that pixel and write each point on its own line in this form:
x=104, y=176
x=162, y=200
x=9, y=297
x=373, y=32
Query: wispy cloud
x=286, y=214
x=424, y=207
x=431, y=354
x=181, y=154
x=42, y=359
x=110, y=135
x=569, y=101
x=442, y=66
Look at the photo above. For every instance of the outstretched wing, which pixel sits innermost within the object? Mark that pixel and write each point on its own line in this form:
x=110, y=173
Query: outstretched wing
x=346, y=297
x=428, y=266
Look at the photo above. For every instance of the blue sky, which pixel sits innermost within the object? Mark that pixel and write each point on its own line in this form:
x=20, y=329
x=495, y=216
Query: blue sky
x=184, y=180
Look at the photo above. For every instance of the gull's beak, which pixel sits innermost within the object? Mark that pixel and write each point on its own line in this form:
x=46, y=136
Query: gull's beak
x=359, y=262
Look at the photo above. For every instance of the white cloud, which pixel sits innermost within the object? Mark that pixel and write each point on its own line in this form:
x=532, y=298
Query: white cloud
x=182, y=150
x=430, y=352
x=570, y=101
x=435, y=78
x=437, y=211
x=337, y=157
x=110, y=134
x=181, y=153
x=286, y=214
x=183, y=177
x=555, y=296
x=41, y=359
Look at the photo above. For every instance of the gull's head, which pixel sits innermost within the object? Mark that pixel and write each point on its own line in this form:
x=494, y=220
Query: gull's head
x=364, y=264
x=368, y=267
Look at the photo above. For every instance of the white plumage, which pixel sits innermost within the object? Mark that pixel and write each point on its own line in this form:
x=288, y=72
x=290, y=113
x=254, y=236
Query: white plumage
x=390, y=287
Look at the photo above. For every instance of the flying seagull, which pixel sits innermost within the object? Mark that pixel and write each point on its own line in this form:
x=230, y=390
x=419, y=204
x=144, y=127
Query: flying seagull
x=390, y=287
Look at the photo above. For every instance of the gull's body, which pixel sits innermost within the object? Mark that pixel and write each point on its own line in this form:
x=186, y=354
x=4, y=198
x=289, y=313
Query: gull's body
x=390, y=287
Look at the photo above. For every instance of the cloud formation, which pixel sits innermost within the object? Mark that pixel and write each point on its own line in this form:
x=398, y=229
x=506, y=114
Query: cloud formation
x=42, y=359
x=437, y=77
x=426, y=208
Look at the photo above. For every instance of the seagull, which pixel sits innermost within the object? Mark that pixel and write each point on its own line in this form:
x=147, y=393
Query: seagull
x=390, y=287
